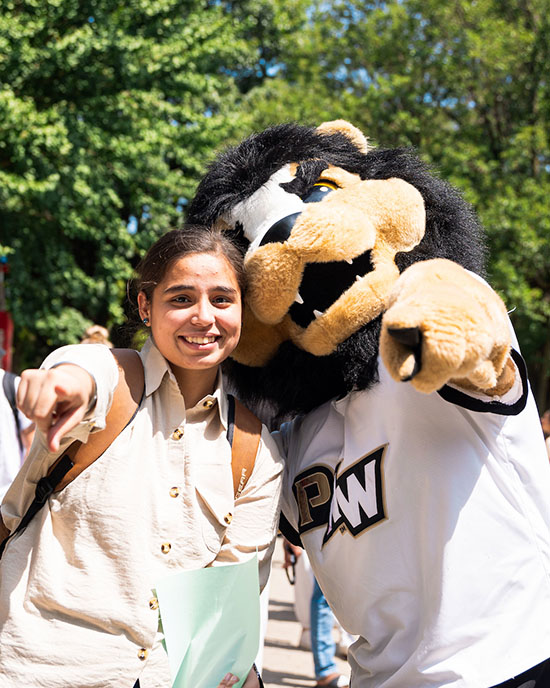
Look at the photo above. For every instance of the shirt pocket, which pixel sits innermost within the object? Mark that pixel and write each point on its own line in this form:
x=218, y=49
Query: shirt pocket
x=214, y=487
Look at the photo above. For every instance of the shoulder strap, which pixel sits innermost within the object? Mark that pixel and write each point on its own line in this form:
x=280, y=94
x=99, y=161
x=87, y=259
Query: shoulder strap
x=243, y=434
x=8, y=384
x=126, y=401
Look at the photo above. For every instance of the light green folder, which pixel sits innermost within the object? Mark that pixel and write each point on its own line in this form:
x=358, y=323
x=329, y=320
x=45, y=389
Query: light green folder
x=211, y=623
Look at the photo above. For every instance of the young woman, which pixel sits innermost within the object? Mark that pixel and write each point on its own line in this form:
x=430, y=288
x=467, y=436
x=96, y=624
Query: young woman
x=77, y=601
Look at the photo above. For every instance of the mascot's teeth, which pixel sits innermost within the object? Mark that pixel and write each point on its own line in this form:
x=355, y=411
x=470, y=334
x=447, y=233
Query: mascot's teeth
x=358, y=278
x=317, y=314
x=298, y=298
x=349, y=260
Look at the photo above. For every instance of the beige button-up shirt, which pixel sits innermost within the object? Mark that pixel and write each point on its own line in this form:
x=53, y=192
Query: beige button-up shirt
x=77, y=603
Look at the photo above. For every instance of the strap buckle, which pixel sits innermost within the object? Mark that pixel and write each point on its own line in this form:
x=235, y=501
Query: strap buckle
x=44, y=488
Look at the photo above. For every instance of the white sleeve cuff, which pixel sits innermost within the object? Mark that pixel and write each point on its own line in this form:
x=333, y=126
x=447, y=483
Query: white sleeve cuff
x=99, y=362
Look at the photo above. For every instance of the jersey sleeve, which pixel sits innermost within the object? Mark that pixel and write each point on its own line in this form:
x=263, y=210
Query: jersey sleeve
x=288, y=523
x=510, y=404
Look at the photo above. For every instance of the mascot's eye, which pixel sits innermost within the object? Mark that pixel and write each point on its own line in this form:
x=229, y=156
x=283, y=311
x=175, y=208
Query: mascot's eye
x=319, y=190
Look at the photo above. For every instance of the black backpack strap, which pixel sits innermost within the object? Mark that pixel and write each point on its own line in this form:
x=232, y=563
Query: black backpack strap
x=44, y=487
x=8, y=384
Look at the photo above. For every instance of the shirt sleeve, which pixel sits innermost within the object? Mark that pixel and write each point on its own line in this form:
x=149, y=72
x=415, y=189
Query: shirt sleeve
x=97, y=360
x=256, y=516
x=289, y=511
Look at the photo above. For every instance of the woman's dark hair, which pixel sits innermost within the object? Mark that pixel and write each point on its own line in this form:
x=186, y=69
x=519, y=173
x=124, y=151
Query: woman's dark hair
x=182, y=242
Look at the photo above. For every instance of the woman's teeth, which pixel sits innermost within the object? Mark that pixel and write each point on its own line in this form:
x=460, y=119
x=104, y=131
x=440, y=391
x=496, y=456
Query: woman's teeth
x=200, y=340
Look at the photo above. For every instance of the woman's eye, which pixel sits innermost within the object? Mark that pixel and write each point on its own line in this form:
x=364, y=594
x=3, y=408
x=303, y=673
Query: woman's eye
x=319, y=190
x=181, y=299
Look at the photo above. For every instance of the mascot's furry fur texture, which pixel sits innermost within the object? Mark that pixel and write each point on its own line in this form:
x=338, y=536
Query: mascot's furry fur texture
x=417, y=478
x=381, y=211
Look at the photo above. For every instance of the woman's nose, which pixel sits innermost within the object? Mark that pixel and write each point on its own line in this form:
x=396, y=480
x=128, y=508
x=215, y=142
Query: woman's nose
x=204, y=313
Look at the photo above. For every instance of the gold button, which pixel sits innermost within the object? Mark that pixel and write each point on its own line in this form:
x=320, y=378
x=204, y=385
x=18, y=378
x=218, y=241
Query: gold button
x=228, y=518
x=153, y=603
x=208, y=403
x=177, y=434
x=174, y=491
x=165, y=547
x=142, y=653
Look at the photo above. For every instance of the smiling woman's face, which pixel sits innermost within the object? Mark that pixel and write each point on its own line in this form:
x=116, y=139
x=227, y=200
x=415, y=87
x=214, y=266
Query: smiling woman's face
x=195, y=312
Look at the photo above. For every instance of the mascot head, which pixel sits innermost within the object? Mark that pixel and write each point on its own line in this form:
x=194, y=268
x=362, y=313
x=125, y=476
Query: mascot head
x=327, y=223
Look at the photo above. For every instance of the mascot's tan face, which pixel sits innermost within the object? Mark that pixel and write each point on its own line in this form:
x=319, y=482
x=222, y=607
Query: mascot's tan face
x=321, y=261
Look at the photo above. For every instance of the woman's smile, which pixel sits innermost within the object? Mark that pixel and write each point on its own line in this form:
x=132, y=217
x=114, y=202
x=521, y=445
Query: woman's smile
x=200, y=340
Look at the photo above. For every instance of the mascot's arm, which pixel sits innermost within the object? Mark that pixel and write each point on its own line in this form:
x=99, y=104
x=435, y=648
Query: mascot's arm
x=445, y=325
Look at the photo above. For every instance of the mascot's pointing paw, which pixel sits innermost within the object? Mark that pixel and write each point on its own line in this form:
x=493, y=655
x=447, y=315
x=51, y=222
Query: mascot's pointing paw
x=444, y=325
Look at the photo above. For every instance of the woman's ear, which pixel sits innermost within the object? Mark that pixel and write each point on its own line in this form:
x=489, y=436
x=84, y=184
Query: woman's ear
x=144, y=307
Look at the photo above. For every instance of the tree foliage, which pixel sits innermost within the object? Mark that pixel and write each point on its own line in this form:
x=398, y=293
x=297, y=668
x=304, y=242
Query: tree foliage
x=466, y=83
x=108, y=113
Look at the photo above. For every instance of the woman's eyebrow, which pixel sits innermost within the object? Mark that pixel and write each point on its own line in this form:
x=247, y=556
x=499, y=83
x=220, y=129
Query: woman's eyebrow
x=179, y=287
x=189, y=287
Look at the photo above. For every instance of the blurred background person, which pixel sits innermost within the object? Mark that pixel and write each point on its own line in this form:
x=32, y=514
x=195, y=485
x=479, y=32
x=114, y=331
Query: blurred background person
x=97, y=334
x=317, y=620
x=545, y=422
x=16, y=431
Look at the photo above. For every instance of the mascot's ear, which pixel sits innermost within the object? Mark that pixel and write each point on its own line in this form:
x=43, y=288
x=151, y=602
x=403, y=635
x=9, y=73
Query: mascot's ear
x=340, y=126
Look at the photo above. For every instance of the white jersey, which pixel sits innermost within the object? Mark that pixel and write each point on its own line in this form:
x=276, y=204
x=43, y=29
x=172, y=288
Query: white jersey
x=426, y=519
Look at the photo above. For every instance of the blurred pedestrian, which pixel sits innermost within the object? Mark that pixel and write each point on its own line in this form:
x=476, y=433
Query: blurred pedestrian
x=317, y=619
x=545, y=422
x=16, y=431
x=97, y=334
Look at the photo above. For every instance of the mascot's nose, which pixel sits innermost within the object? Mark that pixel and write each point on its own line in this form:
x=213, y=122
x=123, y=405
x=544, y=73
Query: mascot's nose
x=280, y=231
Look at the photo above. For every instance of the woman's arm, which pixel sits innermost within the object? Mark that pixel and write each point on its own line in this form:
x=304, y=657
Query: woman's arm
x=63, y=413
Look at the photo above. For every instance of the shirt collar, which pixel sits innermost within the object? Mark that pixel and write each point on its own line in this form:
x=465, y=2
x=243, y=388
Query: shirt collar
x=156, y=367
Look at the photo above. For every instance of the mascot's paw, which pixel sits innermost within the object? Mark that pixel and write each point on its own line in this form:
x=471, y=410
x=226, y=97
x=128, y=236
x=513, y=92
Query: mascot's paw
x=443, y=324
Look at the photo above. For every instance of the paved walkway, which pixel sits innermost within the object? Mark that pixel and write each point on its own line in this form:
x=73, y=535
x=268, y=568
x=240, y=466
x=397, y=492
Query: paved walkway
x=284, y=663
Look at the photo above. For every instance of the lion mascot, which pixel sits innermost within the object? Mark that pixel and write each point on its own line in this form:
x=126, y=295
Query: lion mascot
x=417, y=478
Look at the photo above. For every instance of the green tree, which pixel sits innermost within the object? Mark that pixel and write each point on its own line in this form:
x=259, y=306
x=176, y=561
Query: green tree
x=466, y=82
x=108, y=113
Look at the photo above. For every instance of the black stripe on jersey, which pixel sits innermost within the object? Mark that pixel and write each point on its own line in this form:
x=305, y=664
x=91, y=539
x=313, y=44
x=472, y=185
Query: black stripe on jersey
x=454, y=396
x=293, y=536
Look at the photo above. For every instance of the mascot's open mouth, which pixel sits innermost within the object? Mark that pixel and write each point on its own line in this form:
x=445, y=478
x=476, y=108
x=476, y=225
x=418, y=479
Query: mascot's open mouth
x=324, y=283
